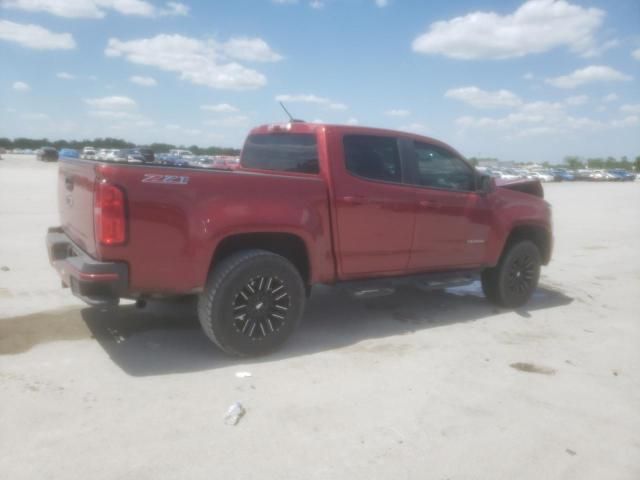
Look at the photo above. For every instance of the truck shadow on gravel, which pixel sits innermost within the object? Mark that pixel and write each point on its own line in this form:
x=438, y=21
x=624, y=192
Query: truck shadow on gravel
x=165, y=337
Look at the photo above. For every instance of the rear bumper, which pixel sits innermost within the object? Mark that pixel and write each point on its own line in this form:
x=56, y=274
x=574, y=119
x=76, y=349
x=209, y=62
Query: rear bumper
x=96, y=283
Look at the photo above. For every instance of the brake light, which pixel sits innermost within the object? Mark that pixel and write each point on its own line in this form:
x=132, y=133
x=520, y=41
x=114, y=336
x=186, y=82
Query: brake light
x=110, y=218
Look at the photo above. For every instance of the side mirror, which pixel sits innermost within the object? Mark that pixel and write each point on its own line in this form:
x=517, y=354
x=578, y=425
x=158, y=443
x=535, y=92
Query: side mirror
x=486, y=184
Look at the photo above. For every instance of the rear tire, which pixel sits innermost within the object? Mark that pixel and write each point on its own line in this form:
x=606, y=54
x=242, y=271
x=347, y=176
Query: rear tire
x=252, y=303
x=512, y=282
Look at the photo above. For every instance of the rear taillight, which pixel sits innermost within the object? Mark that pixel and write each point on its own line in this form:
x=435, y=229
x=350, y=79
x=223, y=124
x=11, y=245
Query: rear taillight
x=110, y=216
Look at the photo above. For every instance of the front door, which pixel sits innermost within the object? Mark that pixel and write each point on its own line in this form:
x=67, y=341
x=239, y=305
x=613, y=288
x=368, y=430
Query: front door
x=452, y=219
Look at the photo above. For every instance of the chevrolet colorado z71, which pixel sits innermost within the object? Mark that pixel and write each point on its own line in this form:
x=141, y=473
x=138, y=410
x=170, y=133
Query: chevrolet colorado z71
x=311, y=203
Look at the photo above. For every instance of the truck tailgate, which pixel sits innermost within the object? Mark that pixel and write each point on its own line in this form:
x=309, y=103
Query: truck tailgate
x=76, y=181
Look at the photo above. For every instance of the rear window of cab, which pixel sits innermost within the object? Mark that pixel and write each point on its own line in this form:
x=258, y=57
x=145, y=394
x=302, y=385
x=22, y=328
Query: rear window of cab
x=284, y=152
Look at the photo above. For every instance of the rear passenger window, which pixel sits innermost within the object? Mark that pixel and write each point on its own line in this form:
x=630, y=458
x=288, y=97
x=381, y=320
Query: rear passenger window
x=440, y=168
x=373, y=157
x=286, y=152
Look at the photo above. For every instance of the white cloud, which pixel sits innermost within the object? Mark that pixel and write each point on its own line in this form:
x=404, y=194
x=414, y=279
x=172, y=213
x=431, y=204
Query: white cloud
x=232, y=121
x=96, y=8
x=599, y=49
x=528, y=76
x=219, y=108
x=284, y=2
x=590, y=74
x=143, y=81
x=192, y=131
x=199, y=62
x=352, y=121
x=35, y=116
x=630, y=108
x=302, y=98
x=118, y=113
x=35, y=36
x=310, y=98
x=398, y=112
x=415, y=127
x=65, y=76
x=175, y=9
x=316, y=4
x=250, y=50
x=629, y=121
x=543, y=118
x=381, y=3
x=612, y=97
x=576, y=100
x=536, y=26
x=113, y=114
x=479, y=98
x=111, y=103
x=21, y=86
x=636, y=54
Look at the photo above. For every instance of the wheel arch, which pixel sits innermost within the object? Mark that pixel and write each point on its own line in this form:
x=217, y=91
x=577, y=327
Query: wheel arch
x=288, y=245
x=539, y=235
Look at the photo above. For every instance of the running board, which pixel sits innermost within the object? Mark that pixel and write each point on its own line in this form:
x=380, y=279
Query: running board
x=429, y=281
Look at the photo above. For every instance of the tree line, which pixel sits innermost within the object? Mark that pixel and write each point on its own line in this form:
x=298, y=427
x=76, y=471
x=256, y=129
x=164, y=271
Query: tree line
x=577, y=163
x=108, y=142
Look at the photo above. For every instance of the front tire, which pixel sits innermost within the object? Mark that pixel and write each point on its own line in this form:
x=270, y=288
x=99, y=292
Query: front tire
x=512, y=282
x=252, y=303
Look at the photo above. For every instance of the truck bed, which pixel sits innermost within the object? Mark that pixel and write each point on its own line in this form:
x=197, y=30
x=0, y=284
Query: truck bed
x=177, y=216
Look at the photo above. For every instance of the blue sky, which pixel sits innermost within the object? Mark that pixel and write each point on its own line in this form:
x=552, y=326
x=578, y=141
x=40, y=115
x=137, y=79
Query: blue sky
x=525, y=81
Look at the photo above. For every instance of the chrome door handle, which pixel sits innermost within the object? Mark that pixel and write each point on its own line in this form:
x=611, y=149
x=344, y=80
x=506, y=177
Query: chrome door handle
x=354, y=199
x=427, y=204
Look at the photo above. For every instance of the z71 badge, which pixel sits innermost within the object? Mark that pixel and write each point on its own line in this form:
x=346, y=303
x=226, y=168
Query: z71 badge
x=165, y=179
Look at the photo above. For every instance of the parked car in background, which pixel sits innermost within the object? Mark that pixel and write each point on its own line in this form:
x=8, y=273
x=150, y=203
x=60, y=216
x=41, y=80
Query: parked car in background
x=147, y=154
x=504, y=175
x=622, y=175
x=218, y=161
x=602, y=176
x=89, y=153
x=128, y=155
x=47, y=154
x=173, y=160
x=542, y=176
x=583, y=174
x=112, y=154
x=181, y=153
x=68, y=153
x=562, y=175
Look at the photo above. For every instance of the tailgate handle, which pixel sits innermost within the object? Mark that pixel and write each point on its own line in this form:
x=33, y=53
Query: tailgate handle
x=68, y=183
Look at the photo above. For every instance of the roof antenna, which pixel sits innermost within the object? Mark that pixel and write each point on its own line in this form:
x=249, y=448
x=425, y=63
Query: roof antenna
x=293, y=120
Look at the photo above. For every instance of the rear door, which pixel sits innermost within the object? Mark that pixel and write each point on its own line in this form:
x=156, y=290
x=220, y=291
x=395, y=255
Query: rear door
x=452, y=219
x=374, y=210
x=76, y=180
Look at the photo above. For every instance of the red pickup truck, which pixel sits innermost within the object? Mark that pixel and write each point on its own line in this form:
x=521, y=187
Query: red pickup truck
x=366, y=208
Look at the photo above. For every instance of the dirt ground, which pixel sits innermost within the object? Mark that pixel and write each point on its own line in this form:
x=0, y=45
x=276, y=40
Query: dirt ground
x=410, y=386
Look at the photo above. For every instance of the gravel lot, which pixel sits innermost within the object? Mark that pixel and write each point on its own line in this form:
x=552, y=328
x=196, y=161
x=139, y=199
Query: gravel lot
x=413, y=385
